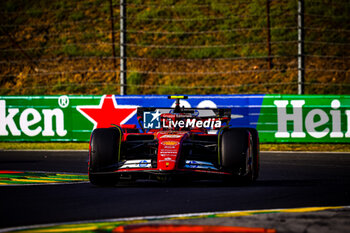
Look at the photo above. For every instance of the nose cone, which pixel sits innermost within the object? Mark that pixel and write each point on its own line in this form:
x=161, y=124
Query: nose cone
x=169, y=149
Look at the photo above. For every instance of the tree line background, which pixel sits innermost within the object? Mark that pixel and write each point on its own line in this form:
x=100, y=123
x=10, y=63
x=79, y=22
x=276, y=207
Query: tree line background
x=173, y=47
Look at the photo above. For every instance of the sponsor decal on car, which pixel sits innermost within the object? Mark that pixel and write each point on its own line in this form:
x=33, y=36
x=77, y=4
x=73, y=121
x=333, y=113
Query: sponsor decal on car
x=170, y=143
x=168, y=153
x=192, y=123
x=136, y=164
x=143, y=163
x=171, y=136
x=167, y=159
x=194, y=164
x=152, y=120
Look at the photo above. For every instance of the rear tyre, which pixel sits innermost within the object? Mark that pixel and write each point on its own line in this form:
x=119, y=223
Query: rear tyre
x=237, y=155
x=256, y=152
x=103, y=154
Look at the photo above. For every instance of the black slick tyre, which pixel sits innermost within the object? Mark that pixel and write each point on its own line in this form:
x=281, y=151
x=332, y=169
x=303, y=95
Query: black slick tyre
x=237, y=155
x=256, y=152
x=103, y=154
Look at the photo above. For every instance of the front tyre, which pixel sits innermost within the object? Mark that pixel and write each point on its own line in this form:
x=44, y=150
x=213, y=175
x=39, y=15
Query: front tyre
x=256, y=152
x=237, y=155
x=103, y=154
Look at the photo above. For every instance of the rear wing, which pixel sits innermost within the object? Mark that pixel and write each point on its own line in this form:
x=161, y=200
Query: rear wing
x=177, y=117
x=190, y=112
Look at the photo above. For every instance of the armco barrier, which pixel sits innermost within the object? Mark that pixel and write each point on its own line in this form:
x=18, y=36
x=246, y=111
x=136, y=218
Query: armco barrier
x=278, y=118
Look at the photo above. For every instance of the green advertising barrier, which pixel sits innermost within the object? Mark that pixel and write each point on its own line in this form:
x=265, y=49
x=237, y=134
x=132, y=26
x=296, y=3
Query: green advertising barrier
x=45, y=118
x=278, y=118
x=305, y=118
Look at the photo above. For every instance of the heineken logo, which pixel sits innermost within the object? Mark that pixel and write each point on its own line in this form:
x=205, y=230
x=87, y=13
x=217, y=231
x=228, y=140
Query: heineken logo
x=108, y=112
x=318, y=123
x=31, y=122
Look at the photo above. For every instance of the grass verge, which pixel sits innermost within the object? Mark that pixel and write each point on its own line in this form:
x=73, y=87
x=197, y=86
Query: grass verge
x=44, y=145
x=85, y=146
x=305, y=147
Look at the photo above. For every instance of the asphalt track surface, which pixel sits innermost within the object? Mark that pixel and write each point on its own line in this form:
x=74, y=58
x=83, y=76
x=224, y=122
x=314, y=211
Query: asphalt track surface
x=287, y=180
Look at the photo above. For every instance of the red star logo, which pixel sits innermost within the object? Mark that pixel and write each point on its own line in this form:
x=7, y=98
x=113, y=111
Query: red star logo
x=108, y=112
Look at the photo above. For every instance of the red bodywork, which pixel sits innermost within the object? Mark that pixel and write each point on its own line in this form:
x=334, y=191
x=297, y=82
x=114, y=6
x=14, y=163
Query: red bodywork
x=173, y=149
x=169, y=149
x=169, y=152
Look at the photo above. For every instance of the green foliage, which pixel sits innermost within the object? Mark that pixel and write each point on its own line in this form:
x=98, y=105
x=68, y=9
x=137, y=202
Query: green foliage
x=135, y=79
x=174, y=90
x=109, y=89
x=76, y=29
x=71, y=50
x=203, y=53
x=76, y=15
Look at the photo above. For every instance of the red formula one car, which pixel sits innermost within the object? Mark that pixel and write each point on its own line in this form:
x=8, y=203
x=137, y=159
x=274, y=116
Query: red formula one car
x=175, y=143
